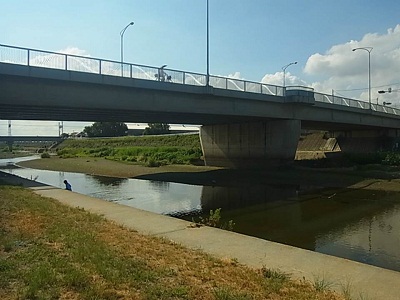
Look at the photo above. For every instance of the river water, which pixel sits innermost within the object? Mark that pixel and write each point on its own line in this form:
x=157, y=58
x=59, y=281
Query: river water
x=359, y=225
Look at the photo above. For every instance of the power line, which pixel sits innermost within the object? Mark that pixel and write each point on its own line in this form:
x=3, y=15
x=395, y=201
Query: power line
x=374, y=87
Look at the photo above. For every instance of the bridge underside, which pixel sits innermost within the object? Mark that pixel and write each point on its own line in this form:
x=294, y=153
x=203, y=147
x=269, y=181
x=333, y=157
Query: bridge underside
x=255, y=144
x=240, y=129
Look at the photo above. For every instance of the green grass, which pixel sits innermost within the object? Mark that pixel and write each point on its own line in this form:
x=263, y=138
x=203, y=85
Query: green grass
x=226, y=293
x=187, y=141
x=150, y=151
x=51, y=251
x=65, y=256
x=322, y=284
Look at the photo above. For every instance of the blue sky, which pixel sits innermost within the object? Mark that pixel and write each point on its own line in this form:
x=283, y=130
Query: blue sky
x=250, y=39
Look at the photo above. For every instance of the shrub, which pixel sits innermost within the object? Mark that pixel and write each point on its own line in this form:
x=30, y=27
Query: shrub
x=152, y=163
x=392, y=159
x=45, y=155
x=214, y=220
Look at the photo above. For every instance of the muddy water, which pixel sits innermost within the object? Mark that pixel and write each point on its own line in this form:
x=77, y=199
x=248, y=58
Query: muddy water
x=361, y=225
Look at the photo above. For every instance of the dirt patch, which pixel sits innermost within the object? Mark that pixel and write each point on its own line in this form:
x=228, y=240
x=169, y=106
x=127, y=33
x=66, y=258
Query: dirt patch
x=101, y=166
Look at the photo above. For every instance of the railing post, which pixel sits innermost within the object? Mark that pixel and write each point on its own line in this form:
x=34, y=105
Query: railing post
x=130, y=70
x=100, y=61
x=66, y=62
x=29, y=54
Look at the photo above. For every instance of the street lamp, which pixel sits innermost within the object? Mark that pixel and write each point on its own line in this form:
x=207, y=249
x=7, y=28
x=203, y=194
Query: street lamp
x=208, y=51
x=389, y=90
x=284, y=71
x=122, y=46
x=368, y=49
x=383, y=92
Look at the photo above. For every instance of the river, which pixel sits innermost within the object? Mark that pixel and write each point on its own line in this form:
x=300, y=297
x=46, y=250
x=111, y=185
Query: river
x=359, y=225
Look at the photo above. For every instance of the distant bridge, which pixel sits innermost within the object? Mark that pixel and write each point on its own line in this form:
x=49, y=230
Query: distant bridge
x=8, y=139
x=243, y=122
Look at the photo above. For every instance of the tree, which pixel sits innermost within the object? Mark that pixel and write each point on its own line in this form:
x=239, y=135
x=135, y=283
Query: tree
x=106, y=129
x=156, y=128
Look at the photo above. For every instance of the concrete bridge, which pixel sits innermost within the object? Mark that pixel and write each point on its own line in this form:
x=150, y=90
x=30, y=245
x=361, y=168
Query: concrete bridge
x=243, y=123
x=41, y=142
x=11, y=139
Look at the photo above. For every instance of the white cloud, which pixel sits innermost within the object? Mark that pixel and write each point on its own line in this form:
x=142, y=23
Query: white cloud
x=277, y=79
x=235, y=75
x=346, y=71
x=74, y=51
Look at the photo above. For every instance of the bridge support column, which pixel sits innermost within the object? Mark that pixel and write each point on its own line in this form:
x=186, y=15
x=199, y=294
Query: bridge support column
x=250, y=144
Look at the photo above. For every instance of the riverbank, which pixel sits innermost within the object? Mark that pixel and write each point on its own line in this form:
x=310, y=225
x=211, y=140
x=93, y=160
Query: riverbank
x=49, y=250
x=298, y=174
x=362, y=178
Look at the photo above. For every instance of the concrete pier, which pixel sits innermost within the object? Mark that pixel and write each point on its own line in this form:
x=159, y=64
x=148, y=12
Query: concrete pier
x=250, y=144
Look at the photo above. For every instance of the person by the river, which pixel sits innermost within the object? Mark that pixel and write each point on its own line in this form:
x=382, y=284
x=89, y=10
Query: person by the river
x=67, y=185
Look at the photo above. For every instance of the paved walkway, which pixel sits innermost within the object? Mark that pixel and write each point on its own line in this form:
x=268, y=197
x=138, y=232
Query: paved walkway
x=369, y=281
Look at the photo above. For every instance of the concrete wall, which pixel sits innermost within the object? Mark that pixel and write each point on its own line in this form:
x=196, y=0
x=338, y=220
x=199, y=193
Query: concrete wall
x=367, y=141
x=250, y=144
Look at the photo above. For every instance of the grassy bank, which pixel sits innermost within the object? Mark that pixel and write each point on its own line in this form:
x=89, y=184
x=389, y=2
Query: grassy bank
x=152, y=151
x=50, y=251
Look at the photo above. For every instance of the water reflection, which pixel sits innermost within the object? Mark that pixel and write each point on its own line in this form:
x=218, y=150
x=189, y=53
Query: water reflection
x=347, y=226
x=158, y=197
x=161, y=186
x=229, y=198
x=360, y=225
x=109, y=181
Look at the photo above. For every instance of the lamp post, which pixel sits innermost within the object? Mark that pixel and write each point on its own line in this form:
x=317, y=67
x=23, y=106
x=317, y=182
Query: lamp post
x=284, y=71
x=368, y=49
x=122, y=46
x=284, y=75
x=389, y=90
x=208, y=50
x=383, y=91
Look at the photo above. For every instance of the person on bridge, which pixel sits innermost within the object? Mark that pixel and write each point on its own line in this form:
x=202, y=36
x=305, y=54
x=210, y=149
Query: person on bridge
x=67, y=185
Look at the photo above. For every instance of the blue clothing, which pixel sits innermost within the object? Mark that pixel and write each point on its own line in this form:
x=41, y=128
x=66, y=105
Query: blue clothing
x=68, y=186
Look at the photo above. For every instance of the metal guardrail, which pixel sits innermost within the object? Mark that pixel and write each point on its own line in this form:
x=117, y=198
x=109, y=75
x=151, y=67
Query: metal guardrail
x=326, y=98
x=68, y=62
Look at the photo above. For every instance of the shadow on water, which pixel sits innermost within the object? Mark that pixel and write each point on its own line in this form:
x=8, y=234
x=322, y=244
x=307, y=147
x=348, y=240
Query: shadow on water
x=283, y=176
x=109, y=181
x=349, y=223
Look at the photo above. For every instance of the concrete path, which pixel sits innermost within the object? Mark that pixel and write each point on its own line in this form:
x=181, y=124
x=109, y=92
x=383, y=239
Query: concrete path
x=365, y=281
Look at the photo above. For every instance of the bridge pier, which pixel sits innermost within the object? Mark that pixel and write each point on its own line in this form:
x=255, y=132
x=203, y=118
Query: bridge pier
x=250, y=144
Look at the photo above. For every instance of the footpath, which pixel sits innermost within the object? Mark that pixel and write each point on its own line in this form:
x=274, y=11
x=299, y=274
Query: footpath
x=363, y=281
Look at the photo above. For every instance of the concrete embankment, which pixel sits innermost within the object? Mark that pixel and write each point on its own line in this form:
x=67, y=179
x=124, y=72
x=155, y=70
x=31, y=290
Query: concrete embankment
x=369, y=281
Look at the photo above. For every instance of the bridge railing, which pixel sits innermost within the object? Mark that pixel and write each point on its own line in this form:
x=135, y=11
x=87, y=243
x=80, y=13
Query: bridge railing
x=68, y=62
x=333, y=99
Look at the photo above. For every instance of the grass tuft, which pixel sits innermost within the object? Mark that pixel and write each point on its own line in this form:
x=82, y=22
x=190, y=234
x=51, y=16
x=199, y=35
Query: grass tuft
x=226, y=293
x=321, y=284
